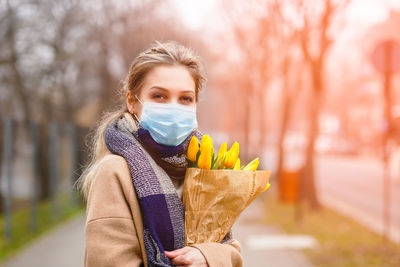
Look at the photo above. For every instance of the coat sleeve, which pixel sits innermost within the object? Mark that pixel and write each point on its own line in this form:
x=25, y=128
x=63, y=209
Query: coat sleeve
x=221, y=255
x=111, y=235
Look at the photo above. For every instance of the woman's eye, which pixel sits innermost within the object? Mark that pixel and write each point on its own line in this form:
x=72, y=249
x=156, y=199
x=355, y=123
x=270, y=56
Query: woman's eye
x=158, y=96
x=187, y=99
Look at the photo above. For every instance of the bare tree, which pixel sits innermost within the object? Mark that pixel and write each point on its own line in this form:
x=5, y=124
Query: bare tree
x=255, y=40
x=315, y=43
x=60, y=56
x=11, y=58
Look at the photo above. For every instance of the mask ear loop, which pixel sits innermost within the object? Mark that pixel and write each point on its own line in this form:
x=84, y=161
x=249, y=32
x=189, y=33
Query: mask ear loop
x=134, y=114
x=139, y=100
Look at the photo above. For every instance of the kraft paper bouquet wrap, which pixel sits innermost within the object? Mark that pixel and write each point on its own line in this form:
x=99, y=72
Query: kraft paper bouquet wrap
x=217, y=190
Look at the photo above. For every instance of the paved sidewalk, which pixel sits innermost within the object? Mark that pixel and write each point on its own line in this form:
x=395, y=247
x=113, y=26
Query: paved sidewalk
x=249, y=227
x=61, y=247
x=64, y=246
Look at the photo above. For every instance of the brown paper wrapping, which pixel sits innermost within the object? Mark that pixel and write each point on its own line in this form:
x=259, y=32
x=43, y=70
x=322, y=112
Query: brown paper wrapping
x=214, y=199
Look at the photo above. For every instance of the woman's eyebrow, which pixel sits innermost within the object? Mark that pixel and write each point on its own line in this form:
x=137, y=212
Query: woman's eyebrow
x=165, y=89
x=159, y=87
x=188, y=91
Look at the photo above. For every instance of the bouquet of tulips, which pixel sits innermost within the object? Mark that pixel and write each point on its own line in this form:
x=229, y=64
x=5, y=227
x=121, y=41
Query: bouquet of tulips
x=217, y=189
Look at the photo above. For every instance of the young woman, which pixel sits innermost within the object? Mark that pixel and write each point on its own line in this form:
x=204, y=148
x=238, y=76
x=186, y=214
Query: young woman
x=134, y=183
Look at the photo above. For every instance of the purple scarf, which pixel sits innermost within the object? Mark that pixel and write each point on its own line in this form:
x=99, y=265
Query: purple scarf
x=149, y=164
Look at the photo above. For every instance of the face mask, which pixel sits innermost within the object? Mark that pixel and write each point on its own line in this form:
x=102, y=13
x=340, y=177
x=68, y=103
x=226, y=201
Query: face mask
x=168, y=124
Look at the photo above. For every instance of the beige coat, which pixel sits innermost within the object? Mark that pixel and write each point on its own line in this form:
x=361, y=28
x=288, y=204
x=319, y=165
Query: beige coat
x=114, y=227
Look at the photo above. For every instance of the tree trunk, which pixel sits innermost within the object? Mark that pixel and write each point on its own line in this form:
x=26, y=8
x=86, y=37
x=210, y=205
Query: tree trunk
x=1, y=160
x=286, y=107
x=68, y=110
x=247, y=117
x=19, y=86
x=44, y=191
x=108, y=87
x=44, y=175
x=307, y=182
x=262, y=116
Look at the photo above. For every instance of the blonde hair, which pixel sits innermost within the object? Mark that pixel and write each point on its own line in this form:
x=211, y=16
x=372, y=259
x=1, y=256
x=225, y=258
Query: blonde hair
x=159, y=53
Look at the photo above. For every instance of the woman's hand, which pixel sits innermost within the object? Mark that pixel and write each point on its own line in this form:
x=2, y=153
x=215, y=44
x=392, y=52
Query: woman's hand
x=187, y=256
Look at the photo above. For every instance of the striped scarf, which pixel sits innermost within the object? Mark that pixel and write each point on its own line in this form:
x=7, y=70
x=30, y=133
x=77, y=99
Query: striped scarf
x=162, y=210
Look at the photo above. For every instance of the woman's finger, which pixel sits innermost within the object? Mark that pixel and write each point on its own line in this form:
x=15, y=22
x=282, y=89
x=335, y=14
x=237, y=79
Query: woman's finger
x=180, y=260
x=177, y=252
x=171, y=254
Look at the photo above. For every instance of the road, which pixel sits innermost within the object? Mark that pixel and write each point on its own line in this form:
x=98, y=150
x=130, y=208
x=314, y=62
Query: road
x=354, y=187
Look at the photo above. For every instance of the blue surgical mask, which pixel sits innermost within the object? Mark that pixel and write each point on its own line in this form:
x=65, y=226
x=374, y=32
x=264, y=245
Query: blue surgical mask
x=168, y=123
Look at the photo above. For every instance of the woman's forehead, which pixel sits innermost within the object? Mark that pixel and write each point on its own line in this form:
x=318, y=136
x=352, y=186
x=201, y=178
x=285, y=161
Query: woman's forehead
x=170, y=78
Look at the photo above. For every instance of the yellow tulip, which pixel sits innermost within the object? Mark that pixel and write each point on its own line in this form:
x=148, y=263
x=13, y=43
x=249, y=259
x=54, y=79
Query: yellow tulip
x=206, y=152
x=222, y=150
x=221, y=154
x=205, y=159
x=193, y=149
x=253, y=165
x=237, y=165
x=268, y=185
x=206, y=143
x=232, y=155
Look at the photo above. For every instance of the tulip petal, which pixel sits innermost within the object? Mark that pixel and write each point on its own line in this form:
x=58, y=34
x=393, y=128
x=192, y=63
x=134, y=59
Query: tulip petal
x=193, y=149
x=237, y=165
x=268, y=185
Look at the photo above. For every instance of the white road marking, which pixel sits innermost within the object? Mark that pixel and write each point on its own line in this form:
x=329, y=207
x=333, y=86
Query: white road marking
x=276, y=242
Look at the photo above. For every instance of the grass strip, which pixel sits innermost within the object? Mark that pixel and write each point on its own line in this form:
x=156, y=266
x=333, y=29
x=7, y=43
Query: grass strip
x=343, y=242
x=21, y=231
